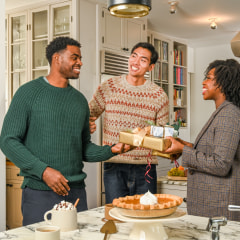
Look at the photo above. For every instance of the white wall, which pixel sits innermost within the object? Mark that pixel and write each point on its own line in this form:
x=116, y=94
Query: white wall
x=2, y=114
x=88, y=84
x=201, y=109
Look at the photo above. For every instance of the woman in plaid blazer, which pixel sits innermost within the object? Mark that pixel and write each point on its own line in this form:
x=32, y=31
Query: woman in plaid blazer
x=213, y=161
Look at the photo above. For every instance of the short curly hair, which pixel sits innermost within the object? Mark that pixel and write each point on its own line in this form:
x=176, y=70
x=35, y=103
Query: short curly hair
x=59, y=44
x=227, y=77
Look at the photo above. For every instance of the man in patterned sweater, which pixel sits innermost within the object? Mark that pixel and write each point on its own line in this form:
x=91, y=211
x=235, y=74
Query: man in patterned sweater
x=46, y=134
x=130, y=101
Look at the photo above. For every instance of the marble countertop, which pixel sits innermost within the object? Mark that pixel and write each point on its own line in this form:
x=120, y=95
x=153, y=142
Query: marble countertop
x=90, y=222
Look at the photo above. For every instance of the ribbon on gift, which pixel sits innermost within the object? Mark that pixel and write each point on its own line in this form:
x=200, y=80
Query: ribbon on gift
x=138, y=137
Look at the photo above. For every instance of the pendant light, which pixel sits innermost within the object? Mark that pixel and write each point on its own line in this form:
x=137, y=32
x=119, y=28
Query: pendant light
x=129, y=8
x=235, y=45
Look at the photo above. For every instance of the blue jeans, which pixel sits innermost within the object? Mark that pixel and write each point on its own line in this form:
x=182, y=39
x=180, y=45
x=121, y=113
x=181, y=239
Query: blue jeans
x=128, y=179
x=36, y=202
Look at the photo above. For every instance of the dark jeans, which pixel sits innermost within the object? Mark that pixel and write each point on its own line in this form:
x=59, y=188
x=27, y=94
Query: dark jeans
x=128, y=179
x=35, y=203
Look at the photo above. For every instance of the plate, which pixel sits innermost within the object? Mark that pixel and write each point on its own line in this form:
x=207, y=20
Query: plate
x=176, y=178
x=115, y=213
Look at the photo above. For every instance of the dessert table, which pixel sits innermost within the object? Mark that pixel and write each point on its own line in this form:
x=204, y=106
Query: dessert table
x=91, y=221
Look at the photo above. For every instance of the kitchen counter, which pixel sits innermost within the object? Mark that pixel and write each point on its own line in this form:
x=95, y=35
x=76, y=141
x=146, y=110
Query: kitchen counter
x=171, y=182
x=90, y=222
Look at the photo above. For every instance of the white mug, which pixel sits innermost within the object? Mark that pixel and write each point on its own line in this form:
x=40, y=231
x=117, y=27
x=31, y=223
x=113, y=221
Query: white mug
x=65, y=219
x=47, y=233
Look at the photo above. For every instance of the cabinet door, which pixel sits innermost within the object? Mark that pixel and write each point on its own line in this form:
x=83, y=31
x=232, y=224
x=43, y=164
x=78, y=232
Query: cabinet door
x=18, y=51
x=13, y=204
x=121, y=34
x=112, y=26
x=39, y=41
x=134, y=32
x=60, y=20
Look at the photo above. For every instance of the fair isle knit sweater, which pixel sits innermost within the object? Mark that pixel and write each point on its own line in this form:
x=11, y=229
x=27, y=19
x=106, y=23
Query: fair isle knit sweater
x=126, y=107
x=49, y=126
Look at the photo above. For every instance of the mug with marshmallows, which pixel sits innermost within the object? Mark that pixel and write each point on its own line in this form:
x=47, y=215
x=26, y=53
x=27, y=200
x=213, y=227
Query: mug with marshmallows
x=63, y=215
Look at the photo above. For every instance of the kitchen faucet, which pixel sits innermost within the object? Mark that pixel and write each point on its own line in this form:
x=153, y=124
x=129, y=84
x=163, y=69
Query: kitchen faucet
x=214, y=226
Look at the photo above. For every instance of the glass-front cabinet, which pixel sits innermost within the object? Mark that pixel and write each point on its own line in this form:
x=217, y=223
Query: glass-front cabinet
x=29, y=34
x=39, y=37
x=18, y=54
x=61, y=20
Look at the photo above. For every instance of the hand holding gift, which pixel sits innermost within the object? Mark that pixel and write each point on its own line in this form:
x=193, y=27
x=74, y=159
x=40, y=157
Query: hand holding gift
x=176, y=148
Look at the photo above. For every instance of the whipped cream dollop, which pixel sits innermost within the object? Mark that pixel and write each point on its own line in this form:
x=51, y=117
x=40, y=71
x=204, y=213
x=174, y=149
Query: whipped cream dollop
x=63, y=205
x=148, y=199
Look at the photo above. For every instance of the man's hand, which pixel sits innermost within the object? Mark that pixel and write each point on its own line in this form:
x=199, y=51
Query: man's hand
x=56, y=181
x=92, y=124
x=121, y=148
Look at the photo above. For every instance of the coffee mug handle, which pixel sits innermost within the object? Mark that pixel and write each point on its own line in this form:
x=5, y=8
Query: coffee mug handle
x=45, y=217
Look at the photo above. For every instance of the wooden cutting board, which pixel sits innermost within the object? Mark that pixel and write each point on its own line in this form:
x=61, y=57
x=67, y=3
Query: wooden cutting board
x=176, y=178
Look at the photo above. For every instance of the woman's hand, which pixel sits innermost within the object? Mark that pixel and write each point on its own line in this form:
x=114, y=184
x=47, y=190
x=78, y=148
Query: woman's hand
x=176, y=147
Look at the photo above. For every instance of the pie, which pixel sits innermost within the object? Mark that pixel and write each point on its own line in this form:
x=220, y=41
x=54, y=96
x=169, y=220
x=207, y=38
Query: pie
x=131, y=206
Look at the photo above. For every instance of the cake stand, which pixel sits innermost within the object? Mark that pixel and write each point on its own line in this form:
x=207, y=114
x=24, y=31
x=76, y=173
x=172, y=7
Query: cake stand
x=147, y=228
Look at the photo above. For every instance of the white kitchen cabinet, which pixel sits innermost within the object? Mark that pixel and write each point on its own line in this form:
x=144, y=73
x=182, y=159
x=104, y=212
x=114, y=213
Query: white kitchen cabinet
x=121, y=34
x=30, y=31
x=14, y=196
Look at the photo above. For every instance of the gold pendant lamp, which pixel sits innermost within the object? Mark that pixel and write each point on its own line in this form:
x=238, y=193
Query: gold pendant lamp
x=129, y=8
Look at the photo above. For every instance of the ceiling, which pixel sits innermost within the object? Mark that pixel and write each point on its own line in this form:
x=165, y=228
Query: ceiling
x=191, y=21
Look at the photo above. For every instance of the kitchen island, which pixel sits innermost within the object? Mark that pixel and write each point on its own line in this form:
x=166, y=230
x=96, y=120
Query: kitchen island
x=91, y=221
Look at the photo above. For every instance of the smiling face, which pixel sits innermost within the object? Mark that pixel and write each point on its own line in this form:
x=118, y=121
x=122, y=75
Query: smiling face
x=70, y=62
x=139, y=62
x=210, y=90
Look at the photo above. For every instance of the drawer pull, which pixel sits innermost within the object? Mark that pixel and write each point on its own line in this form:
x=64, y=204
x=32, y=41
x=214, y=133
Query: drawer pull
x=9, y=185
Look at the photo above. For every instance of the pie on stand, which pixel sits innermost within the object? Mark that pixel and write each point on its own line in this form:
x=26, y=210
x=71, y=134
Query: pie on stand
x=147, y=212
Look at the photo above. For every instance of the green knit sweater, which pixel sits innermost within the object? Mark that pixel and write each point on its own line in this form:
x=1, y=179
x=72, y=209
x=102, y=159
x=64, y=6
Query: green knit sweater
x=49, y=126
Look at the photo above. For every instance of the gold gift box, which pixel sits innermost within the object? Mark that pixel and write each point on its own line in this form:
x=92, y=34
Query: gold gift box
x=155, y=143
x=164, y=155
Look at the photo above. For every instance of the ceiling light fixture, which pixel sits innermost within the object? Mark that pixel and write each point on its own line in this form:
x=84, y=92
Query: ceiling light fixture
x=129, y=8
x=213, y=24
x=173, y=5
x=235, y=45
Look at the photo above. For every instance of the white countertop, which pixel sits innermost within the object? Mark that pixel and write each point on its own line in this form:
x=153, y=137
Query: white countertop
x=165, y=180
x=90, y=222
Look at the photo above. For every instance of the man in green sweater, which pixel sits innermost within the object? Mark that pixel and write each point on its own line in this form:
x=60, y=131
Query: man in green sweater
x=46, y=134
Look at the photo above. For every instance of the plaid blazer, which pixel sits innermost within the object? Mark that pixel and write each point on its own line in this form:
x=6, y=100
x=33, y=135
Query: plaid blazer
x=214, y=165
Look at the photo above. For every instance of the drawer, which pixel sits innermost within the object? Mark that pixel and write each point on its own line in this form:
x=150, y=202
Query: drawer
x=13, y=173
x=16, y=174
